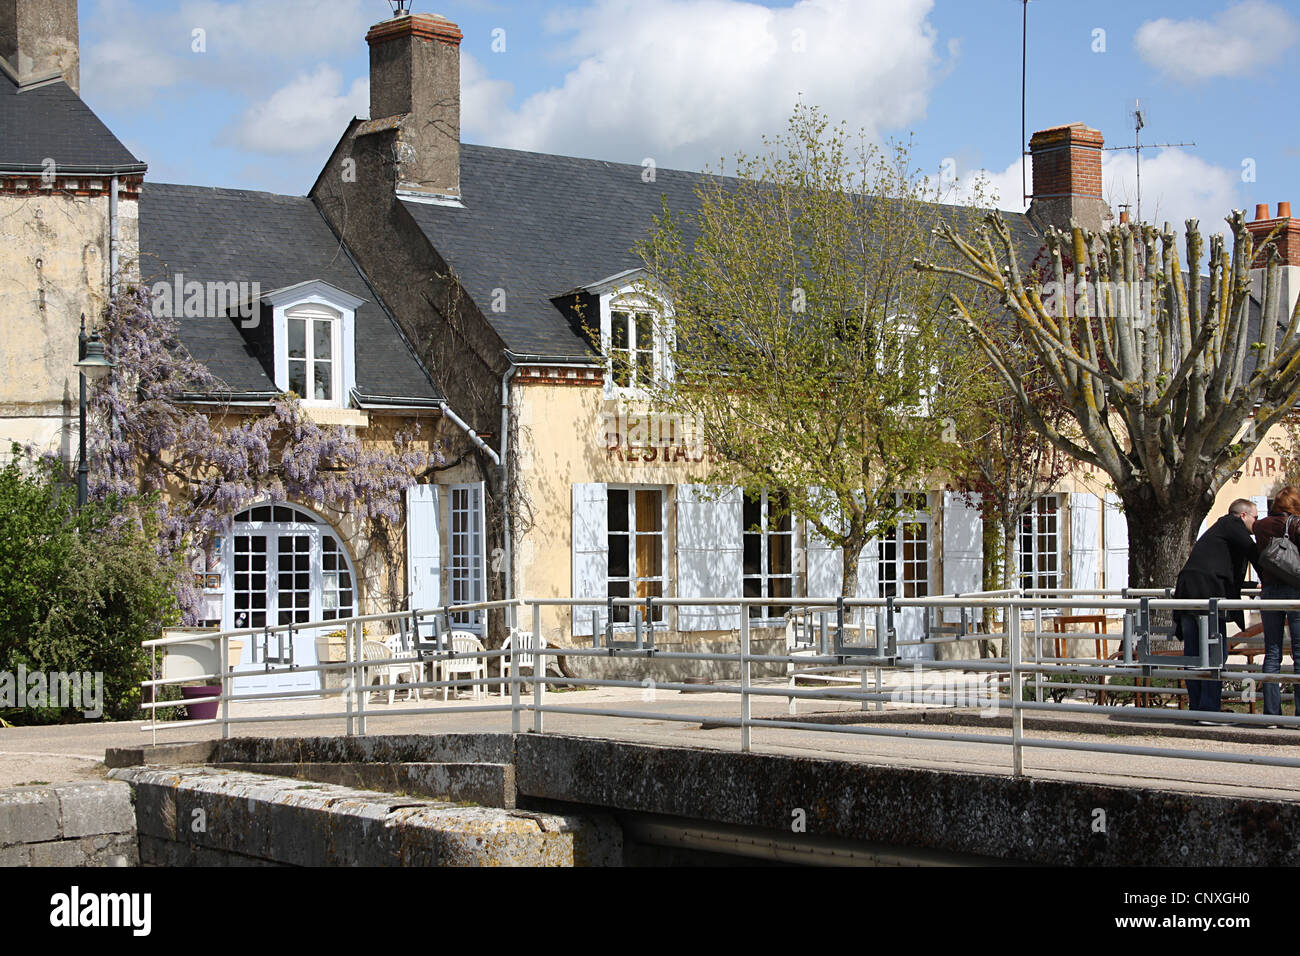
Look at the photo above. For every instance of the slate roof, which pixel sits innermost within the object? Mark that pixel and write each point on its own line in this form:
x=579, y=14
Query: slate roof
x=538, y=226
x=236, y=235
x=51, y=121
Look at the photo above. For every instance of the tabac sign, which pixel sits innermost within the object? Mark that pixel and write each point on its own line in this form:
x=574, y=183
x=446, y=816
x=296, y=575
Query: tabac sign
x=644, y=437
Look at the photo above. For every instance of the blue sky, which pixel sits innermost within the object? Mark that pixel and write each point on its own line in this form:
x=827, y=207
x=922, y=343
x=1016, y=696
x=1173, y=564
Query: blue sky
x=257, y=97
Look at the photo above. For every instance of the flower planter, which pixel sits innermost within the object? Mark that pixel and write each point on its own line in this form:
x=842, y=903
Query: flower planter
x=208, y=709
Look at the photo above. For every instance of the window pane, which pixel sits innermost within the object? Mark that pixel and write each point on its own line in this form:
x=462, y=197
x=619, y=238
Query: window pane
x=618, y=556
x=324, y=388
x=617, y=514
x=649, y=550
x=753, y=554
x=649, y=515
x=618, y=330
x=321, y=346
x=298, y=377
x=779, y=553
x=297, y=338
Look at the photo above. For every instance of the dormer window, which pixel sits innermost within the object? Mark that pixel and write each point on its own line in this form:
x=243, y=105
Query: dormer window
x=315, y=342
x=633, y=348
x=314, y=332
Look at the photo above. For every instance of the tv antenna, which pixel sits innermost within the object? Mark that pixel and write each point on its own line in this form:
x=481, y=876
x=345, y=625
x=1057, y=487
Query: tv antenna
x=1139, y=121
x=1024, y=48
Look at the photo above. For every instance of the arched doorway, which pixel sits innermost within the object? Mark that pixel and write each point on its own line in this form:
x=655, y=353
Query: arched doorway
x=284, y=565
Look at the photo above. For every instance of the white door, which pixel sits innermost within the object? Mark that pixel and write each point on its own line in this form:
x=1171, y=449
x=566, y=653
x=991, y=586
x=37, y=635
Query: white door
x=903, y=568
x=285, y=566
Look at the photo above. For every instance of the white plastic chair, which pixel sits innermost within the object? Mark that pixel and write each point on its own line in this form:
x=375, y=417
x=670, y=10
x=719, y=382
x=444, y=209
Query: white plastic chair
x=378, y=663
x=464, y=642
x=519, y=644
x=399, y=647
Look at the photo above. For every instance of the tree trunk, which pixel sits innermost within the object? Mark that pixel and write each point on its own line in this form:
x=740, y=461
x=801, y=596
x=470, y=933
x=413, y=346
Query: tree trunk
x=1160, y=539
x=851, y=555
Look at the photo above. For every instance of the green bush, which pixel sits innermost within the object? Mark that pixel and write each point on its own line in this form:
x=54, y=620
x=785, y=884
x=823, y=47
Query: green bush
x=79, y=591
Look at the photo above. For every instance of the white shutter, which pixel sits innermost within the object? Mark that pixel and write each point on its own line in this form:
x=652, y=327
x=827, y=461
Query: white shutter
x=1116, y=525
x=478, y=503
x=868, y=569
x=963, y=548
x=710, y=555
x=825, y=562
x=423, y=547
x=1085, y=533
x=590, y=553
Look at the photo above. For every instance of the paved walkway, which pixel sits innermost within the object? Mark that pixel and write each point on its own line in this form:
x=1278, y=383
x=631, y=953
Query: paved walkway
x=71, y=752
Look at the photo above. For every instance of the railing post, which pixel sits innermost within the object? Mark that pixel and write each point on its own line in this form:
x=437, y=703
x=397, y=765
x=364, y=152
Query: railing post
x=744, y=679
x=1017, y=714
x=1038, y=652
x=359, y=631
x=539, y=670
x=349, y=681
x=224, y=657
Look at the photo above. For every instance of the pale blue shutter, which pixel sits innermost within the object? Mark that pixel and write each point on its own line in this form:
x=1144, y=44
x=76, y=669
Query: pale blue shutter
x=1085, y=532
x=710, y=552
x=1116, y=528
x=963, y=547
x=825, y=561
x=590, y=553
x=423, y=547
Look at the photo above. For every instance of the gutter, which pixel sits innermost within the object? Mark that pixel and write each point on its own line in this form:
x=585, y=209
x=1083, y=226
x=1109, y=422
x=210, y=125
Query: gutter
x=559, y=361
x=473, y=435
x=504, y=463
x=27, y=169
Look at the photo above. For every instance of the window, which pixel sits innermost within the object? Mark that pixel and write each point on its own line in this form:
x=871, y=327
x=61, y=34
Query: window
x=467, y=554
x=903, y=550
x=313, y=334
x=635, y=334
x=768, y=552
x=314, y=326
x=636, y=548
x=287, y=567
x=1039, y=545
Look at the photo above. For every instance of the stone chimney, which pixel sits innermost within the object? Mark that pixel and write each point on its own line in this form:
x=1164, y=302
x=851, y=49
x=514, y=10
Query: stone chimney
x=415, y=88
x=1287, y=243
x=38, y=40
x=1067, y=178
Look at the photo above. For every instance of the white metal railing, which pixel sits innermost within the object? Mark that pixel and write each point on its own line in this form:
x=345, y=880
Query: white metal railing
x=825, y=638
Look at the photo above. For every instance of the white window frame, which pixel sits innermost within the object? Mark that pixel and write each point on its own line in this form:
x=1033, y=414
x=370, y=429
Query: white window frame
x=765, y=576
x=1035, y=518
x=302, y=523
x=627, y=292
x=896, y=585
x=906, y=326
x=317, y=297
x=465, y=564
x=633, y=576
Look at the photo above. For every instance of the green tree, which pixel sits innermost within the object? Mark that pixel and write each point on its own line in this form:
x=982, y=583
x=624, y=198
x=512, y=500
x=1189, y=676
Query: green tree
x=1168, y=389
x=79, y=591
x=809, y=353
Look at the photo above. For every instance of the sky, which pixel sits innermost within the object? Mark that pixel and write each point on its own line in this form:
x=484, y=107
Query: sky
x=254, y=94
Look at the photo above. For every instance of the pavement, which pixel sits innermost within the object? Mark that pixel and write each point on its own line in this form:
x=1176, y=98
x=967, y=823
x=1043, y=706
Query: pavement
x=65, y=753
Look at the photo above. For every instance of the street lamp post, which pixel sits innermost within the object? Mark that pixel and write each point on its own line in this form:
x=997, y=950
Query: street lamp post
x=91, y=364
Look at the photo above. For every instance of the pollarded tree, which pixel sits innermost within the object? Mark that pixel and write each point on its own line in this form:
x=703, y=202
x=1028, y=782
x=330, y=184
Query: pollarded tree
x=1168, y=385
x=809, y=353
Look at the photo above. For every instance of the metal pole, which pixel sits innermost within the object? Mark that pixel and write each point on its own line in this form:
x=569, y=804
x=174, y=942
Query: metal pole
x=83, y=471
x=224, y=652
x=365, y=687
x=1017, y=714
x=539, y=670
x=1038, y=652
x=350, y=690
x=745, y=701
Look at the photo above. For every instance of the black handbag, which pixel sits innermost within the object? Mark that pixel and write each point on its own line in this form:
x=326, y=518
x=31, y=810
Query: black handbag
x=1281, y=558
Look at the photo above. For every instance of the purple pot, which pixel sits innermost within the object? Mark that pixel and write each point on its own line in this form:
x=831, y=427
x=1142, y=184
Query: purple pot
x=205, y=711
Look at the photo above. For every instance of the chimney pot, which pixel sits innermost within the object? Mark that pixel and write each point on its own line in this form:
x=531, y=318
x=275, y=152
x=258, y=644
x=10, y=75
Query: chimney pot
x=1123, y=216
x=1261, y=211
x=1284, y=210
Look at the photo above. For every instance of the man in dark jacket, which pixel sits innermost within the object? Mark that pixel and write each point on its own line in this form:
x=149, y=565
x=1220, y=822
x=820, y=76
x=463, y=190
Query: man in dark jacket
x=1216, y=568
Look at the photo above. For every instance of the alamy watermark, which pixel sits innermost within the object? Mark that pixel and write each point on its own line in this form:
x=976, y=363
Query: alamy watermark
x=180, y=299
x=948, y=688
x=81, y=691
x=1136, y=299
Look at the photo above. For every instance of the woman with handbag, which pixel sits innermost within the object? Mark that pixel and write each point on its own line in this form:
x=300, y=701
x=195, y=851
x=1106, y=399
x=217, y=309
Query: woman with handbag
x=1283, y=519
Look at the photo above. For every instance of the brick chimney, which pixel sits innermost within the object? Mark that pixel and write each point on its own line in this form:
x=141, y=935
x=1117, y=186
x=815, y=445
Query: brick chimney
x=38, y=40
x=1067, y=178
x=415, y=88
x=1287, y=243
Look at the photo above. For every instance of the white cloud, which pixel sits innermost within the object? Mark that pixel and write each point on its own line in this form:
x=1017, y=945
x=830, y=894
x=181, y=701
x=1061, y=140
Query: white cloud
x=1176, y=186
x=689, y=82
x=1237, y=42
x=310, y=112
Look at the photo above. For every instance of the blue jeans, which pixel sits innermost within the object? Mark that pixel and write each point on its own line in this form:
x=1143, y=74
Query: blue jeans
x=1201, y=694
x=1273, y=624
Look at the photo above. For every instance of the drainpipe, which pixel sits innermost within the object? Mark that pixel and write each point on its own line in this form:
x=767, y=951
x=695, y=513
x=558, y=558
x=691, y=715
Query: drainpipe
x=473, y=435
x=112, y=239
x=505, y=479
